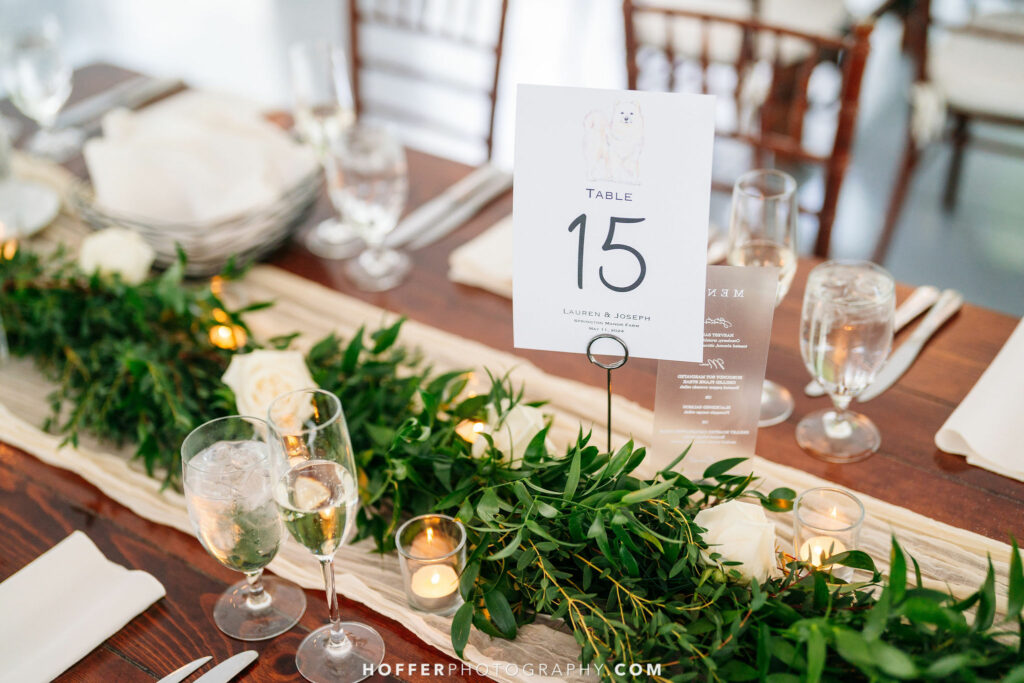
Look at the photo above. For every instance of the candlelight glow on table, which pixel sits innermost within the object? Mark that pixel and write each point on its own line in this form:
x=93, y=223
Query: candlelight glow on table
x=432, y=552
x=468, y=429
x=827, y=521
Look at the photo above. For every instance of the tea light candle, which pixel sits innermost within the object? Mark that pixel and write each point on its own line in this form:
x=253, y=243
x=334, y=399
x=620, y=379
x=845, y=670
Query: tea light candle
x=827, y=521
x=468, y=429
x=819, y=548
x=432, y=552
x=433, y=582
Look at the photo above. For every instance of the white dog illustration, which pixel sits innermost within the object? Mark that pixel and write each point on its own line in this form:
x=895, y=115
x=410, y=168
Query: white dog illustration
x=612, y=146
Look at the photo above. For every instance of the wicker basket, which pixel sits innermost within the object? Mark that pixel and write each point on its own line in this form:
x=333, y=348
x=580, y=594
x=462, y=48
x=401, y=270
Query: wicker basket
x=247, y=237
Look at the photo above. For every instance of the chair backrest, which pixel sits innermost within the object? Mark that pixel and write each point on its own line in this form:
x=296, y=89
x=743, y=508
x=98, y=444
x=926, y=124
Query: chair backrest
x=418, y=63
x=762, y=75
x=977, y=19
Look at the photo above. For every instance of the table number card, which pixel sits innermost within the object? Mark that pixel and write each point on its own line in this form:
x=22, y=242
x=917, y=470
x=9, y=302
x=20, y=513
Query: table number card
x=612, y=192
x=715, y=404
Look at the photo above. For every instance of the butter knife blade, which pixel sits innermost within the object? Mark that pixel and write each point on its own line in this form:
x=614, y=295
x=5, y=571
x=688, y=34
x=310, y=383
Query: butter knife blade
x=496, y=186
x=229, y=668
x=185, y=671
x=900, y=361
x=437, y=208
x=88, y=113
x=919, y=301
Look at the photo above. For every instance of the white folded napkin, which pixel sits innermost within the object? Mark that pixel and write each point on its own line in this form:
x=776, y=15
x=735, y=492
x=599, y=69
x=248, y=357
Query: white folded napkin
x=60, y=606
x=486, y=260
x=193, y=158
x=987, y=425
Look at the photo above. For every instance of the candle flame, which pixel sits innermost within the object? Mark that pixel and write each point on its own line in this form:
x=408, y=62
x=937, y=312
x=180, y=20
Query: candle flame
x=430, y=539
x=468, y=429
x=833, y=513
x=227, y=336
x=435, y=577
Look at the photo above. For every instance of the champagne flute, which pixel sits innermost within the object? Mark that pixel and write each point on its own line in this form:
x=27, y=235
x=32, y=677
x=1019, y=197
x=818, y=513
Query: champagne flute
x=369, y=182
x=228, y=490
x=324, y=109
x=318, y=496
x=846, y=330
x=762, y=232
x=39, y=81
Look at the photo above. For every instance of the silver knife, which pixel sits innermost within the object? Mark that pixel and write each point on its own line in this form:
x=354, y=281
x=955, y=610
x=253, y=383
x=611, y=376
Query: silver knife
x=494, y=187
x=947, y=305
x=919, y=301
x=87, y=114
x=229, y=668
x=437, y=208
x=185, y=671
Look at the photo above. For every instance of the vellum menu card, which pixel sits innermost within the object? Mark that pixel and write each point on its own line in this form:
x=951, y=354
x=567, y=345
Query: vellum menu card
x=715, y=404
x=612, y=192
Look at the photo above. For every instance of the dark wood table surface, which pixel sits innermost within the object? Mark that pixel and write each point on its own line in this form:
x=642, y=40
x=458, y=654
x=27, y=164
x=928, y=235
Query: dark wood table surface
x=40, y=505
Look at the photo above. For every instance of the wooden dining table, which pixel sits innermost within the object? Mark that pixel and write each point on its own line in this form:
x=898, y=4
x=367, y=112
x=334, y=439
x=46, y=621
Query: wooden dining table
x=40, y=504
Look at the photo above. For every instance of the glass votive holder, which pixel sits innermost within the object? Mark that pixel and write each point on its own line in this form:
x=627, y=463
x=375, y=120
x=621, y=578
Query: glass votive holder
x=827, y=521
x=432, y=551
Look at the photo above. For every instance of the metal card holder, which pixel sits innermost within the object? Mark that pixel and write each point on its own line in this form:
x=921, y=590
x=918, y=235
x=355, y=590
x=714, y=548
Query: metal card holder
x=608, y=367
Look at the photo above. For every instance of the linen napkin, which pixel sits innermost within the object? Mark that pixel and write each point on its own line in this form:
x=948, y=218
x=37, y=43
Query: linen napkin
x=986, y=426
x=196, y=157
x=63, y=604
x=486, y=260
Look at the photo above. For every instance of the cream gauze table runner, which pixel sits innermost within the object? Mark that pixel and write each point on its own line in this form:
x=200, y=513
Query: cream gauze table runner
x=949, y=557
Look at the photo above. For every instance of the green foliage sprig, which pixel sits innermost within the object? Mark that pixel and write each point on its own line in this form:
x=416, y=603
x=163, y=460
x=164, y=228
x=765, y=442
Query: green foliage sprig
x=576, y=536
x=132, y=363
x=579, y=537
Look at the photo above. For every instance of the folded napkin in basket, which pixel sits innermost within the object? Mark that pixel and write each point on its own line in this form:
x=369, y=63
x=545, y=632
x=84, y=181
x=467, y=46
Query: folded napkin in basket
x=193, y=158
x=60, y=606
x=486, y=260
x=987, y=425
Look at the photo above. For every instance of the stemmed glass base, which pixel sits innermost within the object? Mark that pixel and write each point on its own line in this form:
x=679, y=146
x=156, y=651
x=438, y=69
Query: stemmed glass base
x=377, y=270
x=356, y=658
x=280, y=607
x=776, y=404
x=332, y=239
x=838, y=436
x=55, y=144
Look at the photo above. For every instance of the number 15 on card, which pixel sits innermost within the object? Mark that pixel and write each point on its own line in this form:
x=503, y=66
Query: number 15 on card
x=579, y=225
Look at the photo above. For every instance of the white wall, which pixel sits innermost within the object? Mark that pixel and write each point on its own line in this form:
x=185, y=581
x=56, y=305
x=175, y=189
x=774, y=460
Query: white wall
x=239, y=46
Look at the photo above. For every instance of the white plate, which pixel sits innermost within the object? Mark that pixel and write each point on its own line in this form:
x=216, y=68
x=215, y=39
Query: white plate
x=26, y=207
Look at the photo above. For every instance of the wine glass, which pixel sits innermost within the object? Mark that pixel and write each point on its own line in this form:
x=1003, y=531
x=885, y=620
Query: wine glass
x=324, y=108
x=846, y=333
x=762, y=232
x=318, y=496
x=369, y=183
x=229, y=493
x=39, y=81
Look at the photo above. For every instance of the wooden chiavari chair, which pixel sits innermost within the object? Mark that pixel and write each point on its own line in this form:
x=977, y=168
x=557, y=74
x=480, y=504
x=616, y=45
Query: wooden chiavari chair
x=400, y=50
x=975, y=71
x=695, y=46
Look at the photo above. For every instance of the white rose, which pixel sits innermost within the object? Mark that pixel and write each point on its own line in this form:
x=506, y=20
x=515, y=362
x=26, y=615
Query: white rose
x=740, y=532
x=512, y=435
x=257, y=378
x=116, y=250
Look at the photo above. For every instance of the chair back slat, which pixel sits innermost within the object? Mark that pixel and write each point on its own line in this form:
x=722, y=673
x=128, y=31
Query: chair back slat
x=773, y=67
x=474, y=30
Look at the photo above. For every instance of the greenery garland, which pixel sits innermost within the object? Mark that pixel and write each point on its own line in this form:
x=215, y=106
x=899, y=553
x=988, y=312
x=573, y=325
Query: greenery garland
x=576, y=537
